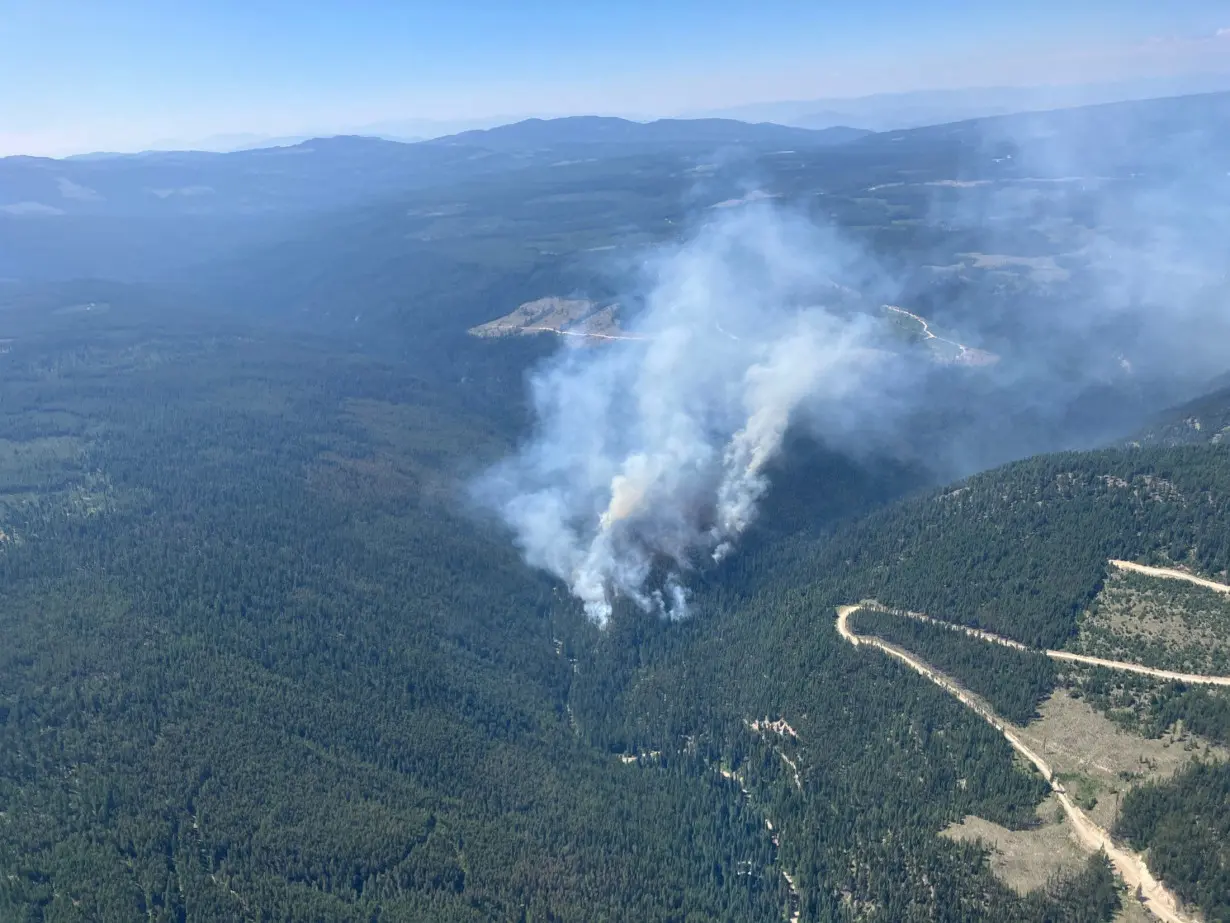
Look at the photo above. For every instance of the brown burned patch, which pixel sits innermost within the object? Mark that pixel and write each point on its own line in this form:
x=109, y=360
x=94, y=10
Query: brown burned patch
x=418, y=435
x=395, y=452
x=374, y=478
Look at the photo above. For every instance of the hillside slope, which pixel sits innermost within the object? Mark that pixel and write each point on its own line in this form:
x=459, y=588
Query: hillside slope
x=1205, y=419
x=1021, y=550
x=260, y=659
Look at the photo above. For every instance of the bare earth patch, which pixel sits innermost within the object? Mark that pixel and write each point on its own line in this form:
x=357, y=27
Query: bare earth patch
x=1075, y=790
x=1026, y=860
x=1096, y=760
x=1097, y=763
x=1132, y=912
x=1042, y=269
x=576, y=317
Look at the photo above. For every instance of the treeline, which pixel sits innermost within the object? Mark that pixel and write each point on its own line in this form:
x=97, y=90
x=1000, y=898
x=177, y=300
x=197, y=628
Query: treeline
x=1022, y=550
x=1202, y=710
x=1151, y=707
x=1014, y=682
x=1184, y=823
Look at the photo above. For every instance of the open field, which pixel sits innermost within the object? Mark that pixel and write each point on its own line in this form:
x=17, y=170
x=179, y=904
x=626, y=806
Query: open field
x=1097, y=759
x=577, y=317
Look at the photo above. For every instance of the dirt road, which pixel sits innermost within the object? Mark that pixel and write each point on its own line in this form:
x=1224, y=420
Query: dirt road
x=1196, y=679
x=538, y=328
x=1169, y=573
x=921, y=321
x=965, y=354
x=1130, y=865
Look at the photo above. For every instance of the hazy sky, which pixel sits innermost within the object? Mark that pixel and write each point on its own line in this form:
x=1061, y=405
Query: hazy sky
x=121, y=74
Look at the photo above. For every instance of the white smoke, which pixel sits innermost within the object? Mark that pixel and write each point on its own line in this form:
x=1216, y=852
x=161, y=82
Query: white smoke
x=650, y=454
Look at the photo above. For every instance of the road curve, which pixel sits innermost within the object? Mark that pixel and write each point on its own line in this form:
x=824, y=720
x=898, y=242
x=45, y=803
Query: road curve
x=1131, y=867
x=1195, y=679
x=1169, y=573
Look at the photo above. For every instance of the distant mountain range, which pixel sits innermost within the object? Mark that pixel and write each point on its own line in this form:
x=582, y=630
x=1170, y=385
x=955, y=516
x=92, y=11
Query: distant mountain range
x=329, y=171
x=589, y=129
x=876, y=112
x=888, y=111
x=138, y=215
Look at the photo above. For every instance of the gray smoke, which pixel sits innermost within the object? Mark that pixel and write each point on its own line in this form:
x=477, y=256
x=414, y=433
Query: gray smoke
x=1130, y=207
x=1084, y=253
x=650, y=453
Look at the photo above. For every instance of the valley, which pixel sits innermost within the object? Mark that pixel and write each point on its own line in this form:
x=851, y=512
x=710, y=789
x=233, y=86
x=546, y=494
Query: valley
x=271, y=653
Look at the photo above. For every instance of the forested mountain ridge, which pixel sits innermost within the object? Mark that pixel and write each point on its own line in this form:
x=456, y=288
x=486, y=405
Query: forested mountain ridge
x=1022, y=550
x=254, y=668
x=266, y=658
x=588, y=131
x=1205, y=419
x=260, y=662
x=763, y=645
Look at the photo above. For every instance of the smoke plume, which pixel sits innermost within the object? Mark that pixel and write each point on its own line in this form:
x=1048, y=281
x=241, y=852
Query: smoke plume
x=1073, y=263
x=650, y=453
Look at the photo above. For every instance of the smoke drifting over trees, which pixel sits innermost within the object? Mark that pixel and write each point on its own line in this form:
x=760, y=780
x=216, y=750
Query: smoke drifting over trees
x=651, y=453
x=1100, y=285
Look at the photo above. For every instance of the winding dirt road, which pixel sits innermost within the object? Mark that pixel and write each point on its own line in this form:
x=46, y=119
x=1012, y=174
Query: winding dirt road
x=1195, y=679
x=1130, y=865
x=1169, y=573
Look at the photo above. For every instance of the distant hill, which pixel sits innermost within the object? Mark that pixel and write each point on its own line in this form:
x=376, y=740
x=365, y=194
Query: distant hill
x=145, y=216
x=323, y=172
x=890, y=111
x=1203, y=420
x=600, y=130
x=1172, y=134
x=327, y=172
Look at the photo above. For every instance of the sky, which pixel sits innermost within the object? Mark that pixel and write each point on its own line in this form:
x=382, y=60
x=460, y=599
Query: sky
x=82, y=75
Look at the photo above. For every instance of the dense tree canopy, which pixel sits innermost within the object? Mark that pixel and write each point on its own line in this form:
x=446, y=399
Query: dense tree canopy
x=262, y=661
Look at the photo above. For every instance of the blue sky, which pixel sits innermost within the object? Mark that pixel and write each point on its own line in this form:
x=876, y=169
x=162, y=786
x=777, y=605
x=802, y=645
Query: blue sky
x=122, y=74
